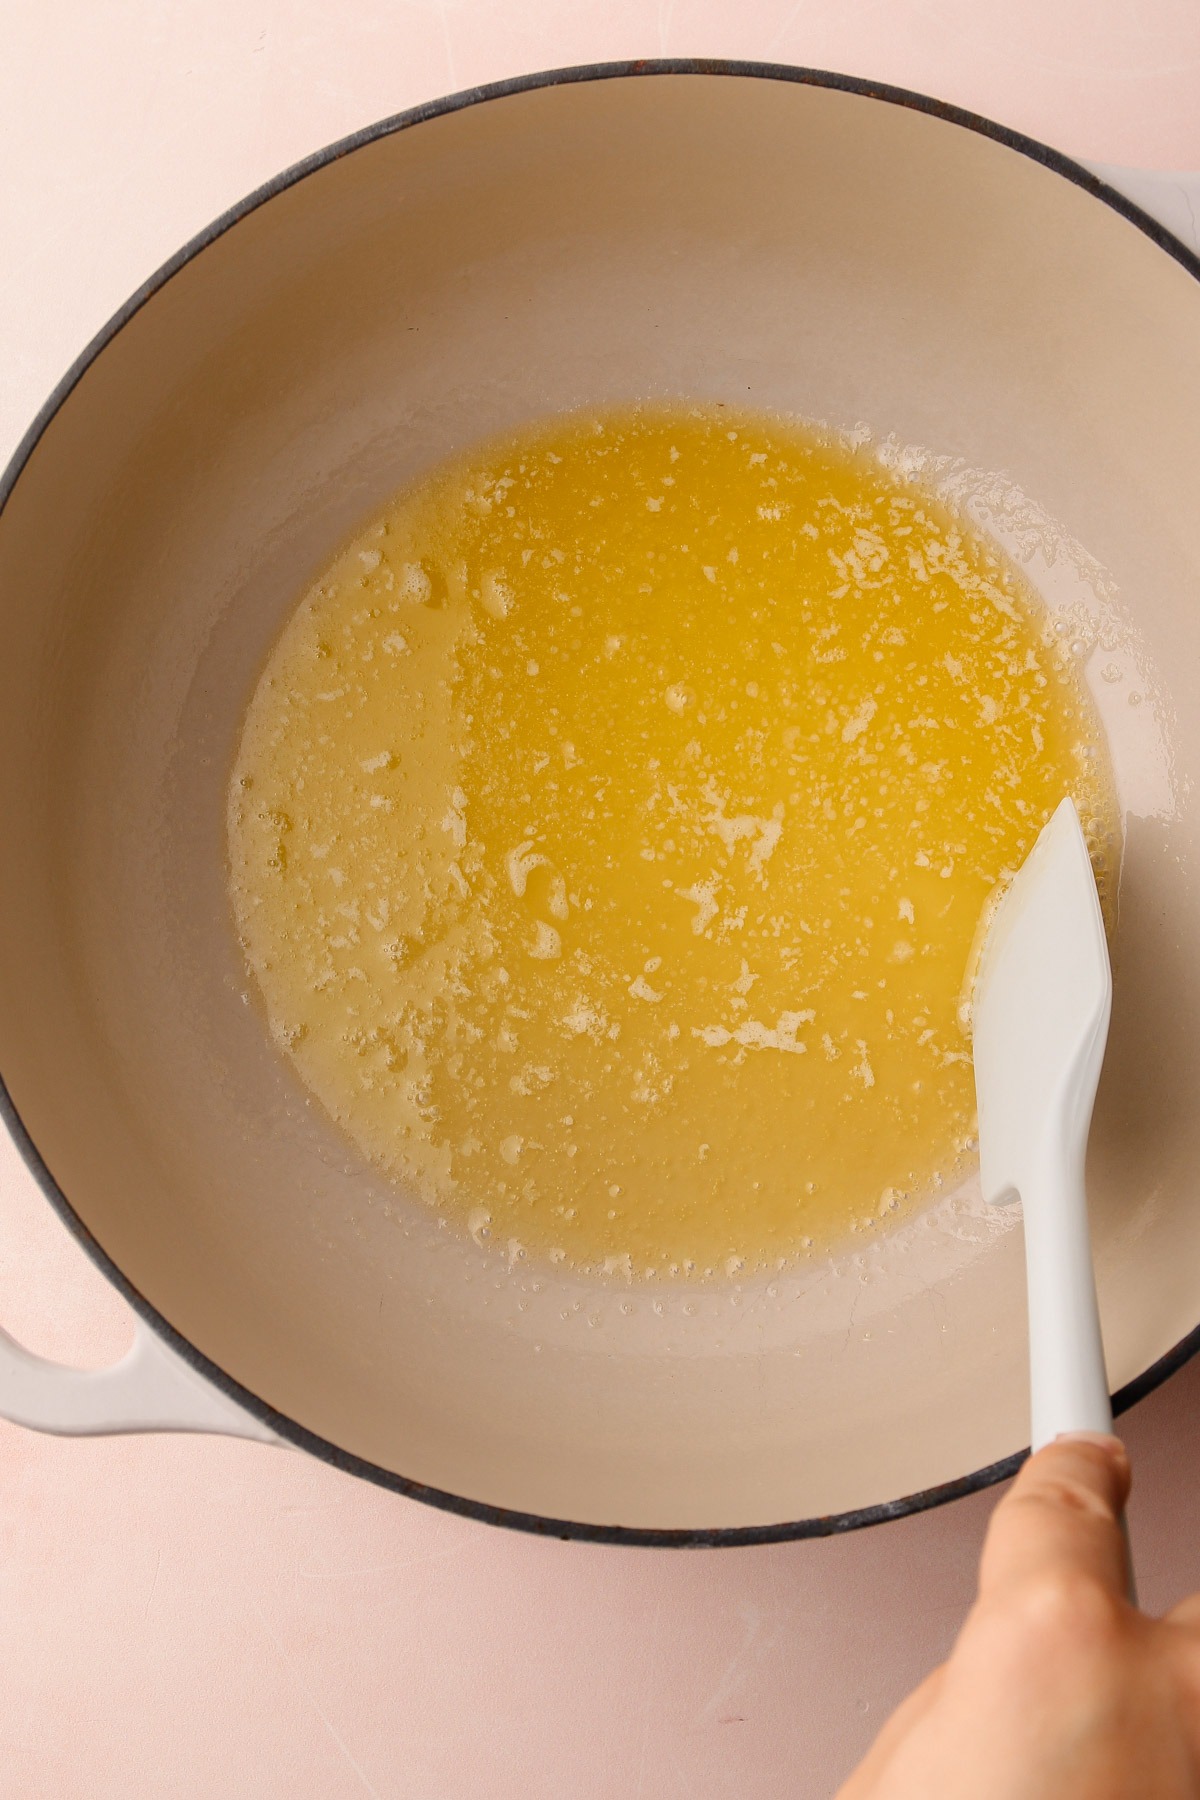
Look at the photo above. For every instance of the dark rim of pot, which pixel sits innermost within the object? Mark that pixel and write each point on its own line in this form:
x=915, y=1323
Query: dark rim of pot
x=288, y=1429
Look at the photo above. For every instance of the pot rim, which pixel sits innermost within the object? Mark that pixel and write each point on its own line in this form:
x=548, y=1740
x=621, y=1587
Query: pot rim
x=695, y=1538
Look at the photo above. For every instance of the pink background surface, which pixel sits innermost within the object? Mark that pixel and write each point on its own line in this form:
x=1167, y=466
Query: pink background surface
x=200, y=1617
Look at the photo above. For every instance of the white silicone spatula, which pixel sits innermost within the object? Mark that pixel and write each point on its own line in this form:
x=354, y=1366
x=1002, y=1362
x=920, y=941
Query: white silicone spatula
x=1041, y=1007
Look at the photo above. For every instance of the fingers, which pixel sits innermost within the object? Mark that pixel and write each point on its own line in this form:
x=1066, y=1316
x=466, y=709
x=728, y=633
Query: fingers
x=1062, y=1518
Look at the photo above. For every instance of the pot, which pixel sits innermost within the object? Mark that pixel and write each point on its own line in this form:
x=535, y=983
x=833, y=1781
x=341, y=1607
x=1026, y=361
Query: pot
x=996, y=317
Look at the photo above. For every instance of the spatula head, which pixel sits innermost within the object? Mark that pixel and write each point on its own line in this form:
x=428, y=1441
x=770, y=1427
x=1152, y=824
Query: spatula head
x=1041, y=1008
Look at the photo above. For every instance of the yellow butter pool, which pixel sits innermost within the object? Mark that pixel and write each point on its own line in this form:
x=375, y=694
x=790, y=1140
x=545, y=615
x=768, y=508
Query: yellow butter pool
x=612, y=822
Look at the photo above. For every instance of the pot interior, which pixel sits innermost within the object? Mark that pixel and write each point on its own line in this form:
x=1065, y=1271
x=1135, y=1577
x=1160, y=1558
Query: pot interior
x=733, y=238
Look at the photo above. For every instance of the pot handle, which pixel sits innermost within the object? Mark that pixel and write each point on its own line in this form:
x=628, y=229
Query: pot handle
x=1171, y=197
x=150, y=1389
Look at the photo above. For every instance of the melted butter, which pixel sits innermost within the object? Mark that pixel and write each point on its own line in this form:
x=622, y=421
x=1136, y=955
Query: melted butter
x=612, y=822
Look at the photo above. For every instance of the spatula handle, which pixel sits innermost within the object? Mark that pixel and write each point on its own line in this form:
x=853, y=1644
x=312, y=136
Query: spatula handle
x=1068, y=1380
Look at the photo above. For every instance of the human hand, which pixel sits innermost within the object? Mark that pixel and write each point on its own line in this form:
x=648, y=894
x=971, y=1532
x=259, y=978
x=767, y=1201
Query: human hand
x=1057, y=1688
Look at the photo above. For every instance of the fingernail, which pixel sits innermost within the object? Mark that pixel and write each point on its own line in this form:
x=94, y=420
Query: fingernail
x=1103, y=1440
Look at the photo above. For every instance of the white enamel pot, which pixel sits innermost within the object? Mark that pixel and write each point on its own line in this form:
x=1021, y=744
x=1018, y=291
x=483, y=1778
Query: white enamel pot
x=773, y=237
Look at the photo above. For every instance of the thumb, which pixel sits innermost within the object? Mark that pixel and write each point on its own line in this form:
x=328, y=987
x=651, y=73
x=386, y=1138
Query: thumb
x=1062, y=1515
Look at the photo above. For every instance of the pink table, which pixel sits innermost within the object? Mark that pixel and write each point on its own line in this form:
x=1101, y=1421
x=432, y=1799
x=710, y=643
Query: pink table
x=200, y=1618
